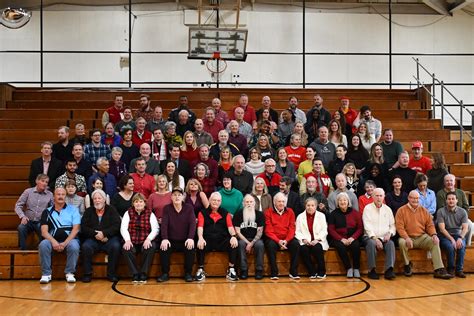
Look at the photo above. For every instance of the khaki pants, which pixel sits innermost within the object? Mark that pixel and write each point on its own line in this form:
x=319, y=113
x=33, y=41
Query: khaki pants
x=423, y=242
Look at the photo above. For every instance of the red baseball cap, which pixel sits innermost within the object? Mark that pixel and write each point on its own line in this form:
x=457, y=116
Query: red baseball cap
x=344, y=98
x=417, y=144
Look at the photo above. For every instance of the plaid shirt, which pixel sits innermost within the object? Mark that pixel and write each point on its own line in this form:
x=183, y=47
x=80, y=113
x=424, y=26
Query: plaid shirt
x=139, y=226
x=92, y=153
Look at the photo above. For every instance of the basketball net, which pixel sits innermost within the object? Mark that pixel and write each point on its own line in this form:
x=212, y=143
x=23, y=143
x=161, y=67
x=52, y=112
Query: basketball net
x=216, y=66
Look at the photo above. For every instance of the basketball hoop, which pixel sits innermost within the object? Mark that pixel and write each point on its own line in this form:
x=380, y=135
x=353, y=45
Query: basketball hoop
x=216, y=65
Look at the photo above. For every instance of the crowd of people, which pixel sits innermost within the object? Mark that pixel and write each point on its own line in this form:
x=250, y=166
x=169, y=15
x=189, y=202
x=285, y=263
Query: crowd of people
x=244, y=182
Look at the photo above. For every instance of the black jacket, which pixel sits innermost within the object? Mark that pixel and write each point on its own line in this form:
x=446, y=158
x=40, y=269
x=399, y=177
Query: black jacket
x=55, y=169
x=109, y=225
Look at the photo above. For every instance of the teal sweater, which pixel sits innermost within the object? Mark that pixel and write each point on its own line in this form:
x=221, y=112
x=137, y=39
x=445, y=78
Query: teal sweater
x=231, y=200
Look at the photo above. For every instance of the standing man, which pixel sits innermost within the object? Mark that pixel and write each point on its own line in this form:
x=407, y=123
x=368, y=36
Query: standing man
x=324, y=115
x=202, y=137
x=62, y=150
x=249, y=112
x=323, y=147
x=157, y=120
x=145, y=110
x=391, y=148
x=418, y=162
x=96, y=149
x=114, y=113
x=267, y=105
x=46, y=164
x=183, y=105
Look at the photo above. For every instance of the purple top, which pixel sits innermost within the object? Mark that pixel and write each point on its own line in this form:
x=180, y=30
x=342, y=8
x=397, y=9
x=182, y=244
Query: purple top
x=178, y=226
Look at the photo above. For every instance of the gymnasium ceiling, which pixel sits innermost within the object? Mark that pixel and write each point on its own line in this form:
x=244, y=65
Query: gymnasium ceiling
x=434, y=7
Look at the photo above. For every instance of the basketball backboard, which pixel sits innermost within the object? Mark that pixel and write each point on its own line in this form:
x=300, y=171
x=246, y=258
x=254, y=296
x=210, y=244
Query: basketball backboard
x=205, y=41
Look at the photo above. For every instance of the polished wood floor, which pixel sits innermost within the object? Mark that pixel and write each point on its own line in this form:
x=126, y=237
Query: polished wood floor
x=418, y=295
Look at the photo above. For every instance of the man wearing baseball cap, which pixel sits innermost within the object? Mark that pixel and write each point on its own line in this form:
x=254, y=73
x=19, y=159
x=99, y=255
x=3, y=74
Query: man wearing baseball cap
x=418, y=162
x=349, y=113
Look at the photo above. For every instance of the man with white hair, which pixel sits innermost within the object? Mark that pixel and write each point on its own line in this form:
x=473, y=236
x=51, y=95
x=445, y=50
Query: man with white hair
x=236, y=138
x=341, y=186
x=270, y=176
x=184, y=124
x=216, y=232
x=100, y=228
x=244, y=128
x=379, y=227
x=248, y=225
x=280, y=230
x=312, y=193
x=223, y=141
x=221, y=115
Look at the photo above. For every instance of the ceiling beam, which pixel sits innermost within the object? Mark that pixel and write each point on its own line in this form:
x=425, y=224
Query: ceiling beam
x=440, y=6
x=458, y=5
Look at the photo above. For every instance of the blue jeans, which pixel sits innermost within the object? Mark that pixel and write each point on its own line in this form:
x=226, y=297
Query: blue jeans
x=24, y=230
x=112, y=247
x=451, y=251
x=46, y=251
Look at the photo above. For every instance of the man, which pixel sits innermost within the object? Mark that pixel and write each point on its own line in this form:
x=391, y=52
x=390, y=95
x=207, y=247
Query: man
x=84, y=167
x=60, y=224
x=63, y=148
x=143, y=182
x=140, y=135
x=379, y=227
x=100, y=228
x=453, y=227
x=236, y=138
x=216, y=232
x=31, y=203
x=297, y=115
x=323, y=181
x=416, y=230
x=324, y=115
x=70, y=174
x=220, y=114
x=311, y=192
x=183, y=125
x=286, y=125
x=183, y=165
x=157, y=120
x=391, y=148
x=202, y=137
x=79, y=135
x=222, y=141
x=204, y=157
x=242, y=180
x=280, y=232
x=418, y=162
x=211, y=125
x=159, y=148
x=407, y=175
x=248, y=224
x=46, y=164
x=183, y=105
x=178, y=226
x=374, y=126
x=267, y=105
x=114, y=113
x=127, y=122
x=96, y=149
x=244, y=128
x=349, y=114
x=323, y=147
x=292, y=198
x=341, y=186
x=144, y=110
x=249, y=112
x=110, y=184
x=152, y=165
x=270, y=176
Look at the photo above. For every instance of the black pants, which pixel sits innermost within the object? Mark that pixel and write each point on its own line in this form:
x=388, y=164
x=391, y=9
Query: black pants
x=177, y=246
x=91, y=245
x=342, y=251
x=217, y=245
x=316, y=251
x=147, y=258
x=272, y=248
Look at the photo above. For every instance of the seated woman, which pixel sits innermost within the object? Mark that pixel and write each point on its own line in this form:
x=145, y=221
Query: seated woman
x=345, y=228
x=170, y=134
x=172, y=175
x=357, y=153
x=139, y=229
x=263, y=200
x=98, y=184
x=311, y=232
x=117, y=168
x=231, y=197
x=109, y=137
x=427, y=196
x=336, y=136
x=266, y=150
x=396, y=198
x=352, y=179
x=255, y=165
x=312, y=126
x=437, y=173
x=299, y=130
x=201, y=173
x=374, y=173
x=189, y=148
x=223, y=164
x=367, y=139
x=160, y=198
x=376, y=156
x=195, y=196
x=72, y=198
x=284, y=166
x=122, y=200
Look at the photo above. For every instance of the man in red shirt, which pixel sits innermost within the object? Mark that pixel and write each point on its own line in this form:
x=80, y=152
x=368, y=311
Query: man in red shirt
x=143, y=182
x=249, y=116
x=270, y=176
x=280, y=231
x=211, y=125
x=349, y=114
x=418, y=162
x=114, y=113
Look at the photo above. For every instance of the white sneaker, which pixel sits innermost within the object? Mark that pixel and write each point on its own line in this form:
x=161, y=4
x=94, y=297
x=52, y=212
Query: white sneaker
x=45, y=279
x=70, y=278
x=200, y=274
x=294, y=277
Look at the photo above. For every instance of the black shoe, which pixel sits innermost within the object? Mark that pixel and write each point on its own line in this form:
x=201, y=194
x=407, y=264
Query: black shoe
x=389, y=274
x=143, y=278
x=163, y=278
x=407, y=270
x=87, y=278
x=244, y=274
x=113, y=278
x=451, y=271
x=373, y=275
x=460, y=274
x=441, y=273
x=136, y=278
x=188, y=277
x=258, y=275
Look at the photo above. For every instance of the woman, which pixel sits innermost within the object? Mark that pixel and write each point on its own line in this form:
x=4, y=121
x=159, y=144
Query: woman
x=312, y=126
x=357, y=153
x=172, y=175
x=346, y=128
x=160, y=198
x=224, y=164
x=139, y=229
x=189, y=149
x=335, y=134
x=366, y=138
x=122, y=200
x=374, y=173
x=299, y=130
x=98, y=184
x=231, y=197
x=345, y=227
x=396, y=198
x=72, y=198
x=263, y=144
x=255, y=165
x=376, y=156
x=266, y=116
x=195, y=196
x=170, y=134
x=427, y=196
x=283, y=166
x=437, y=173
x=109, y=137
x=306, y=166
x=311, y=232
x=350, y=172
x=130, y=151
x=117, y=168
x=201, y=173
x=263, y=200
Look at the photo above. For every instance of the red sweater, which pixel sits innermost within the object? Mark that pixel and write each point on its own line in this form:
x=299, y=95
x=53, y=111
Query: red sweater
x=214, y=129
x=422, y=165
x=146, y=138
x=296, y=155
x=280, y=227
x=274, y=181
